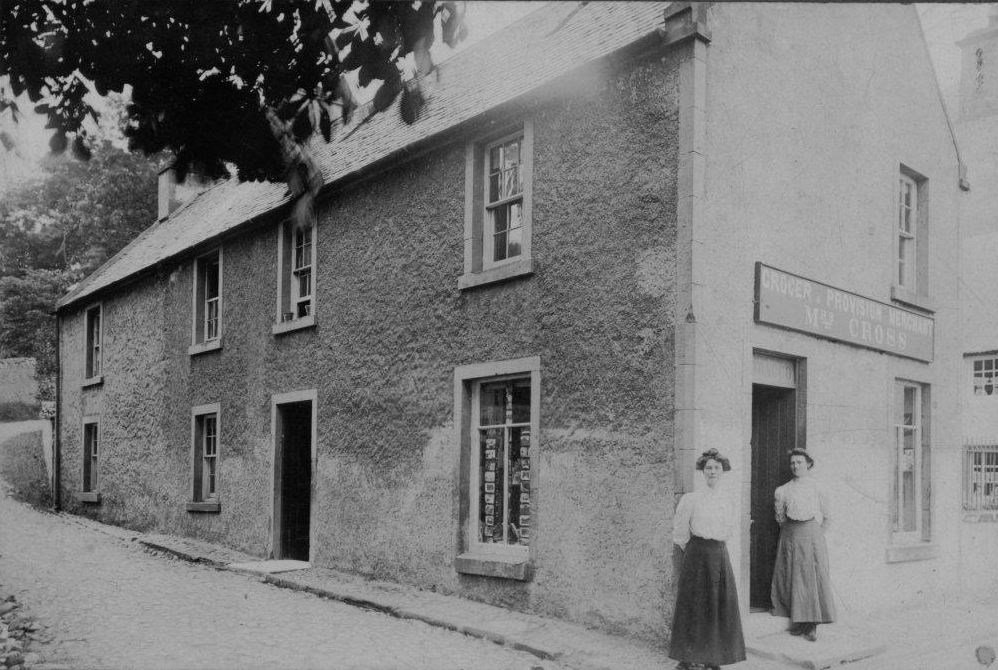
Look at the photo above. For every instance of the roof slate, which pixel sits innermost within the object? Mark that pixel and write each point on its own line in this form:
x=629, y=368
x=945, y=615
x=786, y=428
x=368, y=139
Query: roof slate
x=523, y=57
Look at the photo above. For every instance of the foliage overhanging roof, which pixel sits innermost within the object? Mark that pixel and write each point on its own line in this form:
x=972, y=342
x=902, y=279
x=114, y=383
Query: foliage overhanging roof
x=510, y=63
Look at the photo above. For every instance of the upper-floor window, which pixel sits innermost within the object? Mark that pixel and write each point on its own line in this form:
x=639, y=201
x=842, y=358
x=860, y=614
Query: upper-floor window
x=985, y=370
x=503, y=235
x=498, y=193
x=296, y=275
x=911, y=259
x=907, y=232
x=94, y=343
x=207, y=316
x=301, y=284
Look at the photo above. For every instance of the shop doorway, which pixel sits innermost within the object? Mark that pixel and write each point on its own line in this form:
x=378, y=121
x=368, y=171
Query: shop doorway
x=293, y=434
x=777, y=427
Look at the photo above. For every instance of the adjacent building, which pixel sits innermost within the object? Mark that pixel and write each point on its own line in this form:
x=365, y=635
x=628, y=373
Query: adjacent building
x=976, y=124
x=619, y=234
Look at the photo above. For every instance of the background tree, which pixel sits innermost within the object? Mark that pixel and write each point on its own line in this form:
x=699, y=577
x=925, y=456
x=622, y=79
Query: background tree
x=56, y=229
x=27, y=326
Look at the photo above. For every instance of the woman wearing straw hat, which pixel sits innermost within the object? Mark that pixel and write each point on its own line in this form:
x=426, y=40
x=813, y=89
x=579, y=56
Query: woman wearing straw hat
x=706, y=625
x=802, y=589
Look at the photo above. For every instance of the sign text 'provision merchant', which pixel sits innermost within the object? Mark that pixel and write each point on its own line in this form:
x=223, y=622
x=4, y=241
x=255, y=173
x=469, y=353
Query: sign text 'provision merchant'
x=789, y=301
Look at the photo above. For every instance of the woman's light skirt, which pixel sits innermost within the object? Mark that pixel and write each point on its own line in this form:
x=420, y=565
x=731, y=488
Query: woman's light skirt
x=707, y=626
x=802, y=589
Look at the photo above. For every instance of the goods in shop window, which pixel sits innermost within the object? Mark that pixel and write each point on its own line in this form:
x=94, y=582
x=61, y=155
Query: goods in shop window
x=524, y=498
x=489, y=520
x=490, y=465
x=490, y=497
x=490, y=487
x=524, y=451
x=525, y=475
x=490, y=453
x=490, y=509
x=524, y=519
x=490, y=476
x=490, y=443
x=525, y=463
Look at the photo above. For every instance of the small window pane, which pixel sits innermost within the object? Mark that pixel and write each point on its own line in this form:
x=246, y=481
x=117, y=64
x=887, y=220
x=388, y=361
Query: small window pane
x=521, y=401
x=500, y=219
x=492, y=401
x=513, y=242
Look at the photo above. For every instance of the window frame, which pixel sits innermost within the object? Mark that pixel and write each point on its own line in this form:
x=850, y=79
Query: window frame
x=981, y=390
x=201, y=501
x=480, y=558
x=93, y=352
x=911, y=288
x=478, y=269
x=288, y=297
x=983, y=473
x=90, y=475
x=200, y=342
x=911, y=544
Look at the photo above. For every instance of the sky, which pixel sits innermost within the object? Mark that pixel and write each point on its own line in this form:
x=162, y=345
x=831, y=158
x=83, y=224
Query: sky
x=943, y=23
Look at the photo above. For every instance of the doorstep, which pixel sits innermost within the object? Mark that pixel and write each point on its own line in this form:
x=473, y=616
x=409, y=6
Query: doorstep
x=268, y=567
x=766, y=636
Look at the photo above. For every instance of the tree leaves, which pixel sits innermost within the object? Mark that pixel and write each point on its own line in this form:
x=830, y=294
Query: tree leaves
x=205, y=75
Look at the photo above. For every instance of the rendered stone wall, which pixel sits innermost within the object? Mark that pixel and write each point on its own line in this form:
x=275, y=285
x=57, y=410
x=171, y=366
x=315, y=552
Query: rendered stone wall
x=391, y=328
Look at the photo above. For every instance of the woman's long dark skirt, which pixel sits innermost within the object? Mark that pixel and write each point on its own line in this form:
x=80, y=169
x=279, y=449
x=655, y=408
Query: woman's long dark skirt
x=802, y=589
x=707, y=626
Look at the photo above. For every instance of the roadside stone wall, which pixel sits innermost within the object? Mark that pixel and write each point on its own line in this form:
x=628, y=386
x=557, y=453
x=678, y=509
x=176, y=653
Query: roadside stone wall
x=391, y=326
x=18, y=383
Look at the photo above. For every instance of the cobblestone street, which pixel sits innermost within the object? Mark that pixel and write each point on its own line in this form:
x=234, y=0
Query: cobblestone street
x=108, y=604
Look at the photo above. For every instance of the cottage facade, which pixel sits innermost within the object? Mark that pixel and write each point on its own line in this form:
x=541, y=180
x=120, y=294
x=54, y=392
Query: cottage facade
x=620, y=234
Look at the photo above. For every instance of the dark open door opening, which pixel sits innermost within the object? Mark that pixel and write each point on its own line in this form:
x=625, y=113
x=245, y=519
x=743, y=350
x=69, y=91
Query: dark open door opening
x=774, y=433
x=293, y=480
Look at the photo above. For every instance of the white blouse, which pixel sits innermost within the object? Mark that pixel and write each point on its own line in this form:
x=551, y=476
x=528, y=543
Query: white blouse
x=802, y=500
x=708, y=514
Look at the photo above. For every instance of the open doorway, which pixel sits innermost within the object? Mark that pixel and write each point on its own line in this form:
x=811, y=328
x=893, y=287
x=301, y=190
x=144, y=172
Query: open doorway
x=778, y=410
x=293, y=435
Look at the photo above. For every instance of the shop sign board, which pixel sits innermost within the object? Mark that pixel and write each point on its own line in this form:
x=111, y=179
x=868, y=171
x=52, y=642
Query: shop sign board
x=789, y=301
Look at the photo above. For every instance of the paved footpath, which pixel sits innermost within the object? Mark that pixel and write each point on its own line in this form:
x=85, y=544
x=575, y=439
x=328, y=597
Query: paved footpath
x=111, y=604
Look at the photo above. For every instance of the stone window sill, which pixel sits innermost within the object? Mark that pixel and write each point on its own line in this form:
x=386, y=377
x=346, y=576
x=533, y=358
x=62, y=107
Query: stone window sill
x=487, y=565
x=88, y=496
x=93, y=381
x=520, y=268
x=208, y=507
x=919, y=302
x=294, y=324
x=203, y=347
x=921, y=551
x=981, y=516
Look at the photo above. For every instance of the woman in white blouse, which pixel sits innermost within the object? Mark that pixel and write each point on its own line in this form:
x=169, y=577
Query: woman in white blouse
x=706, y=625
x=802, y=589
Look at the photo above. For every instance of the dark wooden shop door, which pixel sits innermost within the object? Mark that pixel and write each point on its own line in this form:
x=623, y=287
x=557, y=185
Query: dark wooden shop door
x=774, y=428
x=296, y=479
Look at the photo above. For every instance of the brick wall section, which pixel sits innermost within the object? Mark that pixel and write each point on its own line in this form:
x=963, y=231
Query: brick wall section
x=391, y=327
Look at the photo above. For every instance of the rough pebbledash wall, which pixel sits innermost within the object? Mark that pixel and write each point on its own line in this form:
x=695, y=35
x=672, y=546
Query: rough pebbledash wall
x=391, y=327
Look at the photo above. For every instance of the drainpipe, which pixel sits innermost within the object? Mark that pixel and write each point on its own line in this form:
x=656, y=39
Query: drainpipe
x=57, y=430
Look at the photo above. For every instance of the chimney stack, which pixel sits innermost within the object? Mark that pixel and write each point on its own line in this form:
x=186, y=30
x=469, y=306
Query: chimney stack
x=172, y=194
